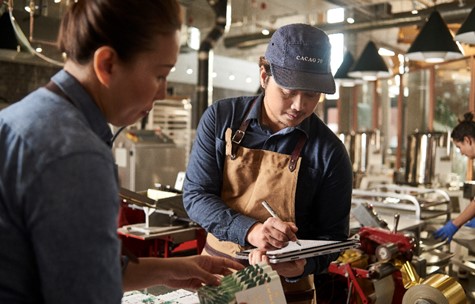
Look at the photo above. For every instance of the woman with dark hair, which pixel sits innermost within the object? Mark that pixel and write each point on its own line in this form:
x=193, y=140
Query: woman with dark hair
x=463, y=137
x=58, y=182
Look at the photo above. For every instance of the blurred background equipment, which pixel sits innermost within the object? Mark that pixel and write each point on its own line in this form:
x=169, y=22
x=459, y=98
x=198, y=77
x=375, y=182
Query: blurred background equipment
x=145, y=158
x=155, y=150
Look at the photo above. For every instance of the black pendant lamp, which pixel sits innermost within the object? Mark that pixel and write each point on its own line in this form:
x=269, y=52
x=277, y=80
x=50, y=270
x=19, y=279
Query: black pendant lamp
x=434, y=43
x=370, y=65
x=466, y=32
x=341, y=76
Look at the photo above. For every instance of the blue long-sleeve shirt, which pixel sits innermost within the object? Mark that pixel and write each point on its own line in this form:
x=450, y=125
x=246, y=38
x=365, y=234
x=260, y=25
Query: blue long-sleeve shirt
x=323, y=195
x=58, y=200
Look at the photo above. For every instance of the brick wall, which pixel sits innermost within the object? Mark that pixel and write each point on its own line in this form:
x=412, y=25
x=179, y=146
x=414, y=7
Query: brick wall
x=18, y=79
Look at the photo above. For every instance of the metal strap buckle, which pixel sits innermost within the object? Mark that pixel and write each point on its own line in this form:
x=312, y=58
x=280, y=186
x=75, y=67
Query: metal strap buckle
x=292, y=164
x=238, y=136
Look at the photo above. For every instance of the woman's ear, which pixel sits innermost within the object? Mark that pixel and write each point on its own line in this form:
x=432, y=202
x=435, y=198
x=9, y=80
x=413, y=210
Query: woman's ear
x=104, y=59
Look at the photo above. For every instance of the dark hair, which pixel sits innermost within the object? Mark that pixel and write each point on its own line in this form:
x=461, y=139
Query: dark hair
x=128, y=26
x=465, y=127
x=263, y=62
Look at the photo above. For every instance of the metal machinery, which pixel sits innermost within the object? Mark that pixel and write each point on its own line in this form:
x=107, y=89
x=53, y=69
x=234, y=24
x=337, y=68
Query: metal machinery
x=394, y=224
x=145, y=158
x=383, y=272
x=156, y=149
x=364, y=149
x=172, y=116
x=152, y=152
x=373, y=273
x=420, y=210
x=156, y=224
x=427, y=158
x=162, y=210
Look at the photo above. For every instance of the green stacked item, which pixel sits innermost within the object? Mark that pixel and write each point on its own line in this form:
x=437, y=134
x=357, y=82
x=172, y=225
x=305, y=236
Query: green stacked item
x=250, y=277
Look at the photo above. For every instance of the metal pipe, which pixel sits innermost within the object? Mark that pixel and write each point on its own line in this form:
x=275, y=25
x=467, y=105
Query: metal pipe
x=21, y=38
x=451, y=12
x=396, y=222
x=205, y=56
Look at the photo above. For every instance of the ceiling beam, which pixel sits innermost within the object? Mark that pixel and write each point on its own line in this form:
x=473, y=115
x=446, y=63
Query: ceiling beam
x=451, y=12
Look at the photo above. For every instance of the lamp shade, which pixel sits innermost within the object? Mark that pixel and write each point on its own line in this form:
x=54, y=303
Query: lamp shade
x=466, y=32
x=434, y=43
x=341, y=76
x=370, y=65
x=347, y=63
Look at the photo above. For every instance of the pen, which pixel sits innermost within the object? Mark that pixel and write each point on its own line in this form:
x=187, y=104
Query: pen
x=272, y=212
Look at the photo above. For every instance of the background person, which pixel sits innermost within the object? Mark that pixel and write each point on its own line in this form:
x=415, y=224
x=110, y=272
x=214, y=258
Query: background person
x=273, y=147
x=463, y=137
x=59, y=196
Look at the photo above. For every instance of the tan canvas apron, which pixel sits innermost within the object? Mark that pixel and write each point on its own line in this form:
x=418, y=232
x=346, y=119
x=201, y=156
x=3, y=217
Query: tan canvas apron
x=251, y=176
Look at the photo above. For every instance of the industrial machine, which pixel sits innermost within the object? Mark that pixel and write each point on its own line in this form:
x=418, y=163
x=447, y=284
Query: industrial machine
x=384, y=270
x=419, y=209
x=398, y=260
x=162, y=210
x=156, y=224
x=427, y=158
x=366, y=155
x=364, y=149
x=373, y=273
x=145, y=158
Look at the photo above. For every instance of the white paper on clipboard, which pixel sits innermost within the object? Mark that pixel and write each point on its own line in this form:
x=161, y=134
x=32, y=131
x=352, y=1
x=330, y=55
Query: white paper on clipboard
x=308, y=248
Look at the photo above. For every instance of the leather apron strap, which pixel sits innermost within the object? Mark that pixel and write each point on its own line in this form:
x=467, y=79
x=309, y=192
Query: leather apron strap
x=53, y=87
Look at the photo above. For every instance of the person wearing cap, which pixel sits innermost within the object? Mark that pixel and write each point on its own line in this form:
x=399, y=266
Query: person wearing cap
x=273, y=147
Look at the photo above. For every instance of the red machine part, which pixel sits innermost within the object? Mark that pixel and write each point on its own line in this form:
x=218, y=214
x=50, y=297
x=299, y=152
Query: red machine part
x=351, y=274
x=370, y=239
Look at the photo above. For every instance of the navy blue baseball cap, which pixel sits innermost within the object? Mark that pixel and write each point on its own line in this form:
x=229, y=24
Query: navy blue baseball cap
x=299, y=57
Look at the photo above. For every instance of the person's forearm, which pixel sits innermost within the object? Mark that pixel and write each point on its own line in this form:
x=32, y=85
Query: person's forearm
x=146, y=273
x=206, y=208
x=467, y=214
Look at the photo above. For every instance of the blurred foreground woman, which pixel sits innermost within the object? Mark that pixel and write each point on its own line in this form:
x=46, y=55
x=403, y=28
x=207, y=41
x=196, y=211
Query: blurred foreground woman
x=58, y=185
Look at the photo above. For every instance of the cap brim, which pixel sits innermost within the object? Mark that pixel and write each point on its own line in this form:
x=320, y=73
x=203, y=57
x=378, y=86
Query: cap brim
x=299, y=80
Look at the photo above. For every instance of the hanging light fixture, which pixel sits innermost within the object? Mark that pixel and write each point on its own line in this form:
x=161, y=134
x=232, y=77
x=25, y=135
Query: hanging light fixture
x=434, y=43
x=466, y=32
x=341, y=75
x=370, y=65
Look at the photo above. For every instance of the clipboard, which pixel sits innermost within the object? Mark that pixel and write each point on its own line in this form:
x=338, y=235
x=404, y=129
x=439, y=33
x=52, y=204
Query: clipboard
x=309, y=248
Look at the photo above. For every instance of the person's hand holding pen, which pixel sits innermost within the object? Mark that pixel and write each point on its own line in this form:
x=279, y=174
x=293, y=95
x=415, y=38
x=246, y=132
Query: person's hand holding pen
x=275, y=231
x=272, y=212
x=272, y=234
